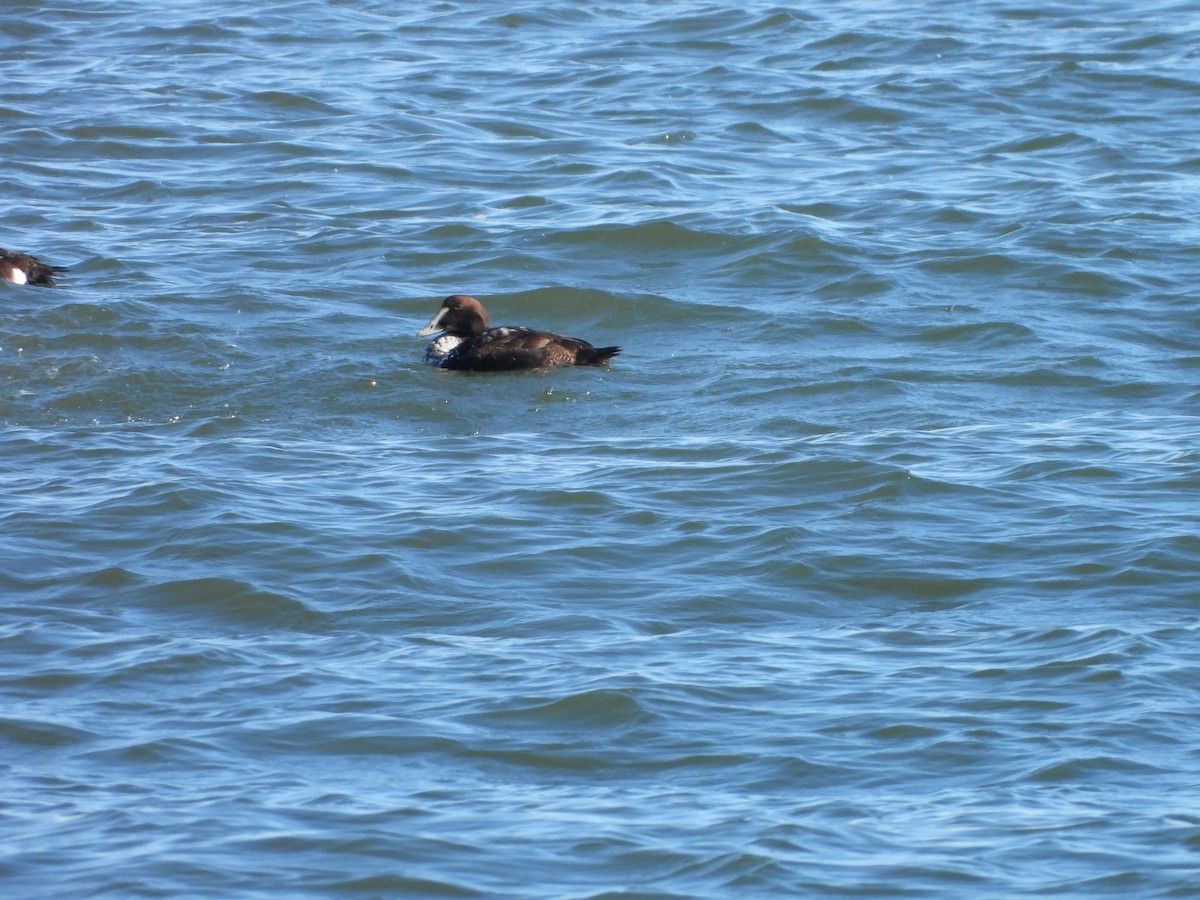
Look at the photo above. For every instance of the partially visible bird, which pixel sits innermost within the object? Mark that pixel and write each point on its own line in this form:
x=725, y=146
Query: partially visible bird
x=21, y=268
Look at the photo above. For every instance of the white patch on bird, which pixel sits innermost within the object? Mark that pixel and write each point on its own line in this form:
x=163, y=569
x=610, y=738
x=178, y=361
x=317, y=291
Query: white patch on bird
x=17, y=275
x=440, y=348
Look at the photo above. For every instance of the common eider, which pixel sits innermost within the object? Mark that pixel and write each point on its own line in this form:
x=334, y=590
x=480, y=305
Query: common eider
x=21, y=268
x=466, y=343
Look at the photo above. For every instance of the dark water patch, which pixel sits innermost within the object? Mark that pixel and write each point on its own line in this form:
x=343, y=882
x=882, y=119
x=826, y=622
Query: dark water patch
x=1042, y=144
x=904, y=734
x=227, y=603
x=1084, y=768
x=112, y=577
x=982, y=334
x=854, y=578
x=709, y=24
x=1051, y=378
x=853, y=287
x=546, y=307
x=755, y=132
x=552, y=760
x=955, y=216
x=1056, y=470
x=195, y=32
x=26, y=28
x=29, y=733
x=992, y=264
x=599, y=709
x=523, y=202
x=166, y=753
x=387, y=884
x=819, y=210
x=649, y=238
x=38, y=683
x=133, y=134
x=540, y=18
x=324, y=737
x=1094, y=284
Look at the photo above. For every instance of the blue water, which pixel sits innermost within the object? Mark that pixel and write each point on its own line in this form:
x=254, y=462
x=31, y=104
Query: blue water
x=869, y=568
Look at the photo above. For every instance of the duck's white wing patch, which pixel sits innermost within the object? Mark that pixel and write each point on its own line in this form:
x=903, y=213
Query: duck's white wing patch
x=17, y=275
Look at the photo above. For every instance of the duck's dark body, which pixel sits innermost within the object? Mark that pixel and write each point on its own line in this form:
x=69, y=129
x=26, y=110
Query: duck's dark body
x=468, y=344
x=21, y=268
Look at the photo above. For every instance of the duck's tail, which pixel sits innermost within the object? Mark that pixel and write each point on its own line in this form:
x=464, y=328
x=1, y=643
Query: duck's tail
x=595, y=356
x=43, y=275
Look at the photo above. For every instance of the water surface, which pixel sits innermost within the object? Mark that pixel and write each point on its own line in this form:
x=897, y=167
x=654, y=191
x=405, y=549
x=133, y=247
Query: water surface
x=868, y=568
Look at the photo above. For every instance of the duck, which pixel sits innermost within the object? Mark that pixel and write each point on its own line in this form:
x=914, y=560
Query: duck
x=465, y=342
x=21, y=268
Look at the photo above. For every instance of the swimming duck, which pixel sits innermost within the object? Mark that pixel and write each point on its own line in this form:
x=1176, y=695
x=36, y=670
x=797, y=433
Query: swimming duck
x=21, y=268
x=467, y=343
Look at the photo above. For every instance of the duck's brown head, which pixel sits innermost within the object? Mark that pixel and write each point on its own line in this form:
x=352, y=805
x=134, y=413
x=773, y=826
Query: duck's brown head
x=458, y=314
